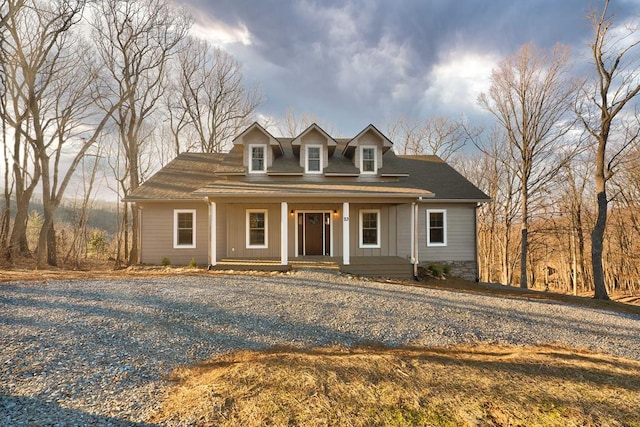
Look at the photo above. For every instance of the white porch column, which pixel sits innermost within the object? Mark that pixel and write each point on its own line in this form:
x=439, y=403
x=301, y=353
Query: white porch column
x=284, y=233
x=413, y=233
x=345, y=233
x=213, y=231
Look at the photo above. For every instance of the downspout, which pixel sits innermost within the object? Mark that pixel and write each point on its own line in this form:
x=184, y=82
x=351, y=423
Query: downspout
x=139, y=236
x=475, y=237
x=416, y=243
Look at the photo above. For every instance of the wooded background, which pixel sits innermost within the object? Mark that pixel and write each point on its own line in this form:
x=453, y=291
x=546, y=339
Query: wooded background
x=113, y=90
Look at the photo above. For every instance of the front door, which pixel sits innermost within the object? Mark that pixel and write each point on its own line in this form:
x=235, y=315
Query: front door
x=313, y=233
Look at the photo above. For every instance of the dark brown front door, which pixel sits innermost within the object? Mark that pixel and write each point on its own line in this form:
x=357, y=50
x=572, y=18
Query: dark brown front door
x=313, y=234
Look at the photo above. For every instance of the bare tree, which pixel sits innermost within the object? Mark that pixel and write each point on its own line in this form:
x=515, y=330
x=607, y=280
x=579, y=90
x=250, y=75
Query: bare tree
x=530, y=96
x=209, y=97
x=32, y=43
x=615, y=53
x=406, y=135
x=8, y=8
x=78, y=236
x=440, y=136
x=135, y=40
x=495, y=173
x=292, y=124
x=54, y=83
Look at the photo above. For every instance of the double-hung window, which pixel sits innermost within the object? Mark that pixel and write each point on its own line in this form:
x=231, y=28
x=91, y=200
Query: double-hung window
x=184, y=234
x=257, y=228
x=436, y=227
x=314, y=159
x=369, y=228
x=257, y=158
x=368, y=160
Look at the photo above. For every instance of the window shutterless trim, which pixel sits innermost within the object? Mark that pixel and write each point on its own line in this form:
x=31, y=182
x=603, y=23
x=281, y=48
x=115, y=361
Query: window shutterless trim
x=363, y=245
x=264, y=158
x=248, y=229
x=177, y=245
x=444, y=227
x=375, y=159
x=306, y=159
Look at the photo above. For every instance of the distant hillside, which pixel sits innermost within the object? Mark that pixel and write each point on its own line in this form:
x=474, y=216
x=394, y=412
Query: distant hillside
x=102, y=215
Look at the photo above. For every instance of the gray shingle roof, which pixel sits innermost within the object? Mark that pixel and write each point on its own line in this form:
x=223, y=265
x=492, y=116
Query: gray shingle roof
x=191, y=176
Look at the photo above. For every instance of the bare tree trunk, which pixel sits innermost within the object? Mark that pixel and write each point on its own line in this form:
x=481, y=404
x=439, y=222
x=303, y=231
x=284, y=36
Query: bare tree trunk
x=615, y=59
x=524, y=242
x=597, y=239
x=5, y=219
x=52, y=245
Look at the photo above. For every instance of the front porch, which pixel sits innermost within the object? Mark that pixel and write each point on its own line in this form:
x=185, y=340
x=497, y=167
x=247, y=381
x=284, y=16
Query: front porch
x=374, y=266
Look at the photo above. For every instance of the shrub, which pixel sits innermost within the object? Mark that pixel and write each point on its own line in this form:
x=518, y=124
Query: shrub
x=193, y=263
x=98, y=242
x=435, y=270
x=166, y=261
x=446, y=269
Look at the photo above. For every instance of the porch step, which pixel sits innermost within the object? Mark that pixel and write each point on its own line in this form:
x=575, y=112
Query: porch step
x=251, y=265
x=314, y=264
x=395, y=267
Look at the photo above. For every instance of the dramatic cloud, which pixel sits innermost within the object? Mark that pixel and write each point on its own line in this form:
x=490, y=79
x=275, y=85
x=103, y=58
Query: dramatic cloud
x=456, y=83
x=359, y=61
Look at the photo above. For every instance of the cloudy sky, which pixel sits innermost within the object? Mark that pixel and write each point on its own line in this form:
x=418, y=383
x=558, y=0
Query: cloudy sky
x=354, y=62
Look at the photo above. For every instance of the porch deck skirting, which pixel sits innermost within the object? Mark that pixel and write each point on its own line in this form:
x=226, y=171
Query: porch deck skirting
x=382, y=266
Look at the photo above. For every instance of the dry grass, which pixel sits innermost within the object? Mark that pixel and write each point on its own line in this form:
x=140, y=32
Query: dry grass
x=619, y=302
x=463, y=385
x=482, y=385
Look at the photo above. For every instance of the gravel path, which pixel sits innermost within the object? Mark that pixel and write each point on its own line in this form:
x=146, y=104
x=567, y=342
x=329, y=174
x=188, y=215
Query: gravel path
x=98, y=352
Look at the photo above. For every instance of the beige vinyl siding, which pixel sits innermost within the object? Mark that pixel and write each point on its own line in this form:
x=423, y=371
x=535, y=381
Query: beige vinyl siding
x=388, y=239
x=460, y=230
x=403, y=230
x=237, y=231
x=157, y=234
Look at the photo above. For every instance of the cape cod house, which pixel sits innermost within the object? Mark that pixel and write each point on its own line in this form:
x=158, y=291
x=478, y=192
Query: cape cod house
x=272, y=201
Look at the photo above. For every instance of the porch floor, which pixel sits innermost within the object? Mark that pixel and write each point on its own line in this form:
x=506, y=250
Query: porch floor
x=380, y=266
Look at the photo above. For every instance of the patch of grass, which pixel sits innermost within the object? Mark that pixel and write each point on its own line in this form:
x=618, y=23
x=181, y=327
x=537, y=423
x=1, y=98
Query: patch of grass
x=457, y=386
x=468, y=286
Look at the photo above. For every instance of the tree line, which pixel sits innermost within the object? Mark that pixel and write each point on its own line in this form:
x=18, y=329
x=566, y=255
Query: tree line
x=120, y=85
x=116, y=83
x=557, y=139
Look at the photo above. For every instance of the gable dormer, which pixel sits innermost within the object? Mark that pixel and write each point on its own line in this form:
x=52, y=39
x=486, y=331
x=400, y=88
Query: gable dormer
x=366, y=150
x=259, y=148
x=313, y=147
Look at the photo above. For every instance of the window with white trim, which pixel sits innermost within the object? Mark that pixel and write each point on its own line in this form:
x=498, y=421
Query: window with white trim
x=369, y=228
x=436, y=227
x=314, y=159
x=257, y=228
x=257, y=158
x=368, y=160
x=184, y=228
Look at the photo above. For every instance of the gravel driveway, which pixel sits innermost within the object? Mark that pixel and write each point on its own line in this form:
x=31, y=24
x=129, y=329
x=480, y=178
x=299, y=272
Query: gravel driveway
x=98, y=352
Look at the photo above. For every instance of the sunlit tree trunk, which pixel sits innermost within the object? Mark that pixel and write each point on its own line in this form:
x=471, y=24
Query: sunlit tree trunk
x=614, y=58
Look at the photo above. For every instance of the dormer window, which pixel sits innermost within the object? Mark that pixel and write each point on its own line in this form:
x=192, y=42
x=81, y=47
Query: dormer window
x=257, y=161
x=314, y=159
x=368, y=160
